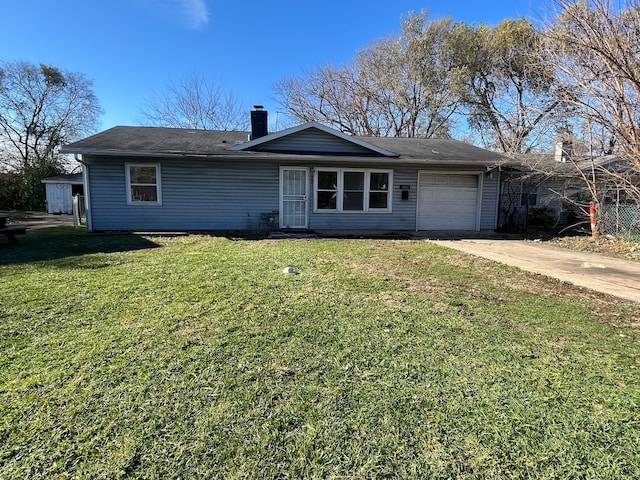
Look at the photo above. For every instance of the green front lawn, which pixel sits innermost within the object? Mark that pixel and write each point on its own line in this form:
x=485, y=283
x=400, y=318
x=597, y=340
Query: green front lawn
x=196, y=357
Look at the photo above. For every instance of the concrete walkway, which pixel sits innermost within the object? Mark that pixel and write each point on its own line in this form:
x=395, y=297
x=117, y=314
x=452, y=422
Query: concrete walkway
x=598, y=272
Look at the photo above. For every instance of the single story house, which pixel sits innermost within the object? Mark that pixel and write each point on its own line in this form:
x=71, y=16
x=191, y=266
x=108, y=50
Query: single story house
x=306, y=177
x=60, y=191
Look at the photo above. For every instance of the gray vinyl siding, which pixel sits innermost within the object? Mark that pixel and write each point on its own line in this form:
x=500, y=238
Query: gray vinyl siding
x=549, y=193
x=217, y=194
x=313, y=141
x=490, y=196
x=196, y=195
x=549, y=197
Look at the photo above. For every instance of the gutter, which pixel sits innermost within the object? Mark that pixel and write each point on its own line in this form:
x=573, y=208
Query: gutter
x=293, y=158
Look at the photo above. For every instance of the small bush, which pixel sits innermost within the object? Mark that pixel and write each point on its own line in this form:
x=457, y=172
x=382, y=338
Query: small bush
x=541, y=216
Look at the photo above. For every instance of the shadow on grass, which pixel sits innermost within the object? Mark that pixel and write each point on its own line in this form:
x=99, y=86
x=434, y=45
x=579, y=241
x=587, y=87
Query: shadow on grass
x=66, y=242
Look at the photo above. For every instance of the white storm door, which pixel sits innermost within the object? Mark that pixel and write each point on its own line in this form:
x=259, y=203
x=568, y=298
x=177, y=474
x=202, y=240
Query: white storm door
x=294, y=193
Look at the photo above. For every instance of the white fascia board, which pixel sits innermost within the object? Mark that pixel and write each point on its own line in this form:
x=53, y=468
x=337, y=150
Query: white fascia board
x=293, y=158
x=70, y=182
x=140, y=153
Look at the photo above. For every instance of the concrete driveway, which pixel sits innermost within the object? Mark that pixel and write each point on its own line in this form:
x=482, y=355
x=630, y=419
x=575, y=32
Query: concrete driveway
x=601, y=273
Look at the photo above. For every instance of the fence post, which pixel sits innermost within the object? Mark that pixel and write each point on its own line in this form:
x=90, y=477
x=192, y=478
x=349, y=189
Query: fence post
x=76, y=211
x=592, y=218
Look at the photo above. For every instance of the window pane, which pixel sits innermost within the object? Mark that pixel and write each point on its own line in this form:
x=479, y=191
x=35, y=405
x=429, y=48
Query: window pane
x=378, y=200
x=328, y=180
x=142, y=174
x=354, y=180
x=379, y=181
x=353, y=201
x=326, y=201
x=143, y=194
x=294, y=182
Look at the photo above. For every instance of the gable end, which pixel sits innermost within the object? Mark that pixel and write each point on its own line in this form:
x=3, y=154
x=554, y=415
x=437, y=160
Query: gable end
x=313, y=139
x=316, y=142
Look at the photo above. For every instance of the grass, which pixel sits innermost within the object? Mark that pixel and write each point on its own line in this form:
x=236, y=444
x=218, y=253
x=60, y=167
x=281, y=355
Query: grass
x=196, y=357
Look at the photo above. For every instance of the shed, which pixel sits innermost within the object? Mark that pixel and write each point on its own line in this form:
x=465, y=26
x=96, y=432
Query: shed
x=60, y=192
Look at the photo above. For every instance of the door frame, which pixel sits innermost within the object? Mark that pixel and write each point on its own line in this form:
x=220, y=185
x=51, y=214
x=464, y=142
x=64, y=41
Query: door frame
x=305, y=200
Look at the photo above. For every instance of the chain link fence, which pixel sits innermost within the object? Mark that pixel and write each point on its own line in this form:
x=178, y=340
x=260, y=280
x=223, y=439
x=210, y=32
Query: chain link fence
x=619, y=220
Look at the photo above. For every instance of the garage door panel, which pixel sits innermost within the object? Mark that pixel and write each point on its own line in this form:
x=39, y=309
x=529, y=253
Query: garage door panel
x=447, y=202
x=449, y=195
x=449, y=223
x=470, y=181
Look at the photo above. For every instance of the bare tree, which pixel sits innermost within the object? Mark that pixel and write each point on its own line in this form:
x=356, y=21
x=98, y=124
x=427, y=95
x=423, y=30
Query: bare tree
x=394, y=87
x=42, y=107
x=330, y=95
x=196, y=102
x=594, y=47
x=411, y=78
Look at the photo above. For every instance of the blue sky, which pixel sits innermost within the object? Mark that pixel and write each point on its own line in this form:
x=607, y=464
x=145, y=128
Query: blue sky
x=131, y=48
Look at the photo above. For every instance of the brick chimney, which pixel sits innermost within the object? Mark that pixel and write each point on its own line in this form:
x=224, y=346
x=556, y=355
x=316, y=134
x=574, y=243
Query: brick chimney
x=258, y=122
x=564, y=150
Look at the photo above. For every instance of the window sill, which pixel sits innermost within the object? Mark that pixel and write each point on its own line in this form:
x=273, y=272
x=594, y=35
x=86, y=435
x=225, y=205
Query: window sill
x=352, y=212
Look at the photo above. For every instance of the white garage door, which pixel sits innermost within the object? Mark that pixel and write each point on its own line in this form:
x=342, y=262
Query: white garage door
x=447, y=202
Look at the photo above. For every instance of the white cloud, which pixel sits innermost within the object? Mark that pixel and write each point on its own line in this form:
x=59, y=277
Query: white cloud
x=195, y=12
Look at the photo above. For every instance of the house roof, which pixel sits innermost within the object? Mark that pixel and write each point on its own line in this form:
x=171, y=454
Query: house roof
x=301, y=142
x=547, y=165
x=157, y=140
x=434, y=148
x=72, y=178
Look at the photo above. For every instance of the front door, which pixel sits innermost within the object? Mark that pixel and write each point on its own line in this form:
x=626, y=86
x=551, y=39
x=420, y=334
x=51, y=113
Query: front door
x=294, y=188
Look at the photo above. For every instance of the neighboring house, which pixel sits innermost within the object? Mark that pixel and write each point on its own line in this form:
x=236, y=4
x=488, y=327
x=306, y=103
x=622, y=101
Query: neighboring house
x=530, y=196
x=60, y=192
x=556, y=189
x=305, y=177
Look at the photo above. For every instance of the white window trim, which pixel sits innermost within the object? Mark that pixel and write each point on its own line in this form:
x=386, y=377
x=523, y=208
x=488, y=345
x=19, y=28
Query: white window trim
x=127, y=171
x=340, y=190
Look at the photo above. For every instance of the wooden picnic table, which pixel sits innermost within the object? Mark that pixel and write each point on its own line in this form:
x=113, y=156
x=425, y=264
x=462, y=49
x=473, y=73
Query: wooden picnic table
x=10, y=232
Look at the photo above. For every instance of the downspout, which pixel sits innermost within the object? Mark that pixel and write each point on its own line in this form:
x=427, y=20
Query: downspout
x=87, y=196
x=417, y=201
x=500, y=190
